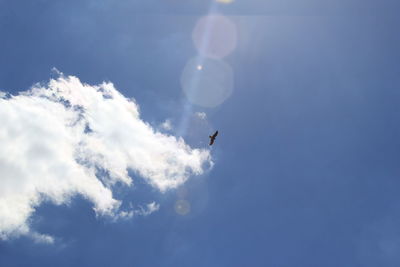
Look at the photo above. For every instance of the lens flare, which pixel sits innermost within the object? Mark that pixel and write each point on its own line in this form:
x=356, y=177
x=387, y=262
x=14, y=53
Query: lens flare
x=205, y=82
x=224, y=1
x=182, y=207
x=215, y=36
x=210, y=87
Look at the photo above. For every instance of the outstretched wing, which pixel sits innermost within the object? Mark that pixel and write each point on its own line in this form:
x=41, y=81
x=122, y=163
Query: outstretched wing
x=212, y=141
x=215, y=135
x=212, y=138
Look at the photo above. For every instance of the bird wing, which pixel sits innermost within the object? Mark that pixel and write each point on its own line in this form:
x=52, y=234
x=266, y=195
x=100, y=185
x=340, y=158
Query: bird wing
x=211, y=141
x=215, y=134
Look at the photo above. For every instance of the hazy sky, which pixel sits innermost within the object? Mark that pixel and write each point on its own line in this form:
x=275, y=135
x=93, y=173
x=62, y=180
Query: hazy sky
x=105, y=111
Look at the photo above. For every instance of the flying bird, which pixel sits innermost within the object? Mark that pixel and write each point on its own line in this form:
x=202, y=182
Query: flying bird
x=212, y=137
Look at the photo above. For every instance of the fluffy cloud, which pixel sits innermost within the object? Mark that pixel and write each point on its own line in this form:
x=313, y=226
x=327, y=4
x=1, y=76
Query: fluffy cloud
x=55, y=139
x=142, y=211
x=201, y=115
x=166, y=125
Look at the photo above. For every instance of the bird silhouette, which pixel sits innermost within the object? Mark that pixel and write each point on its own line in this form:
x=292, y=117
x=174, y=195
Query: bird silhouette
x=212, y=137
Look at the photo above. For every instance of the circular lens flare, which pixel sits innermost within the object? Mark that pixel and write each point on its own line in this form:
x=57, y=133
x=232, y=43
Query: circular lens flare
x=215, y=36
x=210, y=87
x=182, y=207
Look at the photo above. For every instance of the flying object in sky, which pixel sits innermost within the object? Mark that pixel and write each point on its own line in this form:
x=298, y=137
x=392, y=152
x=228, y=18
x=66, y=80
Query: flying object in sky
x=212, y=137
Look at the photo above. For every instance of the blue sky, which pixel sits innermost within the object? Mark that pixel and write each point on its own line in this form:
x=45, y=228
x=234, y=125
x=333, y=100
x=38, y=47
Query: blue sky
x=306, y=164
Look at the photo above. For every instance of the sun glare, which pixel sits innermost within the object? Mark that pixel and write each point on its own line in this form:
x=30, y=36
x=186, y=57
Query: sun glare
x=224, y=1
x=207, y=80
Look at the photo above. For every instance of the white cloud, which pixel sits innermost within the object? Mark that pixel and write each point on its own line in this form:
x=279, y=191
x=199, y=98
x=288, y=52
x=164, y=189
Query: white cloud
x=141, y=211
x=201, y=115
x=150, y=208
x=54, y=137
x=40, y=238
x=166, y=125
